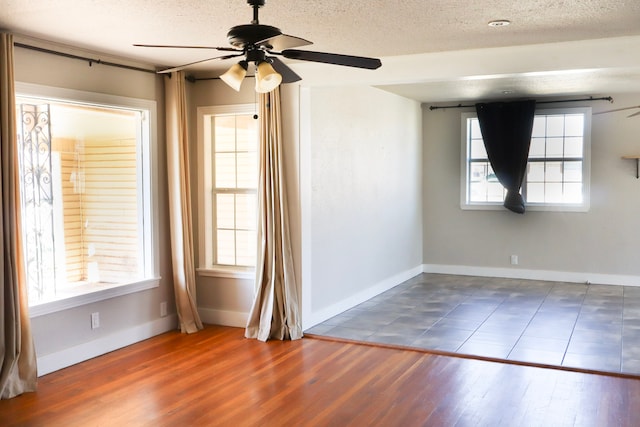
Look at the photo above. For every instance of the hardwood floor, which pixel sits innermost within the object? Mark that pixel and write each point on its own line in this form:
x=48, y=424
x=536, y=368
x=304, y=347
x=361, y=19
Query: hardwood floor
x=216, y=377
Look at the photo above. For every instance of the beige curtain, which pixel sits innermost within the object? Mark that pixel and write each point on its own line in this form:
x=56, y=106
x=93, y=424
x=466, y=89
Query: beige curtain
x=275, y=313
x=18, y=370
x=184, y=277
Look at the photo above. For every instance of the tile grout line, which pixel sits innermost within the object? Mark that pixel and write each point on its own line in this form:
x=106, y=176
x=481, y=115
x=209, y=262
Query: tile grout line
x=529, y=322
x=573, y=329
x=622, y=340
x=479, y=326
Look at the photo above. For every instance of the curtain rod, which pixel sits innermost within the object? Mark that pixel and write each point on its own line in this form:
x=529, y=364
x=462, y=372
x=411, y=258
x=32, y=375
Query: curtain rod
x=591, y=98
x=91, y=61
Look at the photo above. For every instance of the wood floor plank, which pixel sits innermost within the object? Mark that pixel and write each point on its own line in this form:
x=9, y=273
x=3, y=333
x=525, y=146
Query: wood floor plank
x=218, y=378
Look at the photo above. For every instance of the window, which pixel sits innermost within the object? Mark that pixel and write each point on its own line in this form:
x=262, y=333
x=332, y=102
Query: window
x=557, y=176
x=228, y=156
x=86, y=186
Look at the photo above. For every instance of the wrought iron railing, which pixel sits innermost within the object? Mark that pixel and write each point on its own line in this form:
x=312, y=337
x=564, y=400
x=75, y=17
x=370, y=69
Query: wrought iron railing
x=34, y=138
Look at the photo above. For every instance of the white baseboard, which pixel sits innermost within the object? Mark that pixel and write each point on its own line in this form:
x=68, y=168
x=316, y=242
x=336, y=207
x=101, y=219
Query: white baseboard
x=88, y=350
x=211, y=316
x=547, y=275
x=362, y=296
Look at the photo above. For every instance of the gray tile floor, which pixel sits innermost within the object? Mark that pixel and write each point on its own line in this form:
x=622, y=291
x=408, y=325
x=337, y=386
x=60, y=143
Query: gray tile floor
x=594, y=327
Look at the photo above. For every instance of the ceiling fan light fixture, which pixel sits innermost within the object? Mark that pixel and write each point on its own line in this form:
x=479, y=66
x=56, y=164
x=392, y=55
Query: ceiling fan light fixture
x=235, y=75
x=267, y=79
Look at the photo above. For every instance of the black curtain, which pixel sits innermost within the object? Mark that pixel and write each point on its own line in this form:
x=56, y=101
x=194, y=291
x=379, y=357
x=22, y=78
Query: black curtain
x=506, y=130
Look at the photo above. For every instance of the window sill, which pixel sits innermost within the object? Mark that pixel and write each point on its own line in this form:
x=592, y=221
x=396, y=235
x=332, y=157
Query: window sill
x=228, y=272
x=532, y=207
x=88, y=294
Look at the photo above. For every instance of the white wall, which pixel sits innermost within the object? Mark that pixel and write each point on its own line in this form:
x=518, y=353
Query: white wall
x=363, y=214
x=65, y=337
x=600, y=246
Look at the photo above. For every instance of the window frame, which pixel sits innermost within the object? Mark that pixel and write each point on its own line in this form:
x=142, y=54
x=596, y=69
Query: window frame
x=465, y=164
x=206, y=204
x=150, y=189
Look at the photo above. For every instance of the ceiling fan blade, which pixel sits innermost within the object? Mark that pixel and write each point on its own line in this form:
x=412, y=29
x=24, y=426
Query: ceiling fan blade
x=224, y=49
x=333, y=58
x=288, y=75
x=181, y=67
x=616, y=109
x=283, y=41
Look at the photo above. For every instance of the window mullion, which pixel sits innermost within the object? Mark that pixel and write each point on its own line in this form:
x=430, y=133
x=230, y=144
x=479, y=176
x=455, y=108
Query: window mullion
x=235, y=197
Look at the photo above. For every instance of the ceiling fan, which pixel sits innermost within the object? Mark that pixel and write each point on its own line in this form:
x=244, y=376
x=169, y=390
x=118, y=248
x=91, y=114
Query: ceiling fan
x=261, y=44
x=637, y=113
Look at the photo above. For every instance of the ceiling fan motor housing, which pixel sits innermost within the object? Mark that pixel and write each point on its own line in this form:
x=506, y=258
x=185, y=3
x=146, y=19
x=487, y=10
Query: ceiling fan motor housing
x=242, y=36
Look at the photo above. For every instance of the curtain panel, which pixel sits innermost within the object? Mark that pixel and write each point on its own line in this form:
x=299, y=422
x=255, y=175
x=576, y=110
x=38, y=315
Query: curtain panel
x=506, y=130
x=275, y=312
x=180, y=219
x=18, y=366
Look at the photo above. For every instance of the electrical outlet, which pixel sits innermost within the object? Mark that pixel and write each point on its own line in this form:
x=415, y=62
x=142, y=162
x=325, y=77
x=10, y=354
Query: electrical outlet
x=514, y=259
x=95, y=320
x=163, y=309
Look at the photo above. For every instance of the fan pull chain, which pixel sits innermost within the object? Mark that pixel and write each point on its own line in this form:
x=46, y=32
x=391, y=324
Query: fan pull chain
x=255, y=105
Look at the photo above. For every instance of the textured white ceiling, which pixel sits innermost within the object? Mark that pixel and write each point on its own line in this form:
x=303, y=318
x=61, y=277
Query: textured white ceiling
x=383, y=29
